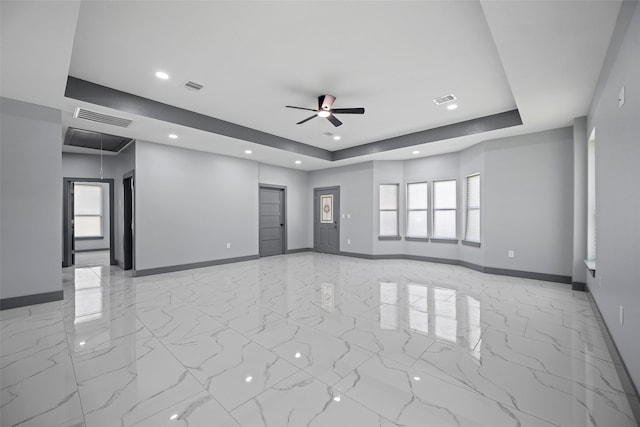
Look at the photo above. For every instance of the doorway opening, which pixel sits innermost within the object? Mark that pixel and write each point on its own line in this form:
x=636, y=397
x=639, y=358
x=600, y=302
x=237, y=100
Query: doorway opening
x=326, y=220
x=128, y=223
x=273, y=222
x=88, y=222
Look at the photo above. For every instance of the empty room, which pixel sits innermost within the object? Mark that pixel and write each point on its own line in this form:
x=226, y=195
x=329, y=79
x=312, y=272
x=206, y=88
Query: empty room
x=319, y=213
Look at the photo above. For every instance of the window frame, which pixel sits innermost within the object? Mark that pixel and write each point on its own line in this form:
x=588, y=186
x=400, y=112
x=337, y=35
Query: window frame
x=408, y=209
x=396, y=210
x=468, y=208
x=434, y=209
x=100, y=215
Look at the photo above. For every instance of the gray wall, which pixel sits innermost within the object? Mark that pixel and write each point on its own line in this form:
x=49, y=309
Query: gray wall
x=617, y=280
x=30, y=199
x=299, y=234
x=528, y=202
x=579, y=199
x=190, y=204
x=356, y=200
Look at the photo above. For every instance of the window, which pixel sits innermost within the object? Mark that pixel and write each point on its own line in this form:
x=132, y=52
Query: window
x=591, y=196
x=472, y=214
x=87, y=207
x=417, y=210
x=444, y=209
x=388, y=210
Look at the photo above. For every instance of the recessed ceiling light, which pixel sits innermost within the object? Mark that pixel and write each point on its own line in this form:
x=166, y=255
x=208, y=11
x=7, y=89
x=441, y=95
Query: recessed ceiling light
x=298, y=162
x=162, y=75
x=248, y=379
x=323, y=113
x=337, y=398
x=336, y=137
x=415, y=152
x=452, y=106
x=82, y=343
x=248, y=151
x=297, y=355
x=173, y=136
x=416, y=378
x=173, y=417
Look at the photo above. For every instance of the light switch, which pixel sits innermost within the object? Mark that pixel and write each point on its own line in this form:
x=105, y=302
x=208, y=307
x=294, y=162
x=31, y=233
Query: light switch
x=621, y=98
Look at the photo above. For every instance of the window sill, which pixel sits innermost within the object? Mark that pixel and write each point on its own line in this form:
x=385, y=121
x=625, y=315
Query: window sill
x=416, y=239
x=454, y=241
x=389, y=238
x=591, y=266
x=472, y=244
x=89, y=238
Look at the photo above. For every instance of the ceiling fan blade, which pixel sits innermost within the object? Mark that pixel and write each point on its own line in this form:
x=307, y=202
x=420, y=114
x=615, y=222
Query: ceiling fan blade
x=307, y=119
x=325, y=102
x=334, y=120
x=348, y=111
x=300, y=108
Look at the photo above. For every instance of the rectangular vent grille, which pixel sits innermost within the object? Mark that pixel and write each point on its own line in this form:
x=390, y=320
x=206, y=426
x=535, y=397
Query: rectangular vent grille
x=444, y=99
x=94, y=116
x=193, y=85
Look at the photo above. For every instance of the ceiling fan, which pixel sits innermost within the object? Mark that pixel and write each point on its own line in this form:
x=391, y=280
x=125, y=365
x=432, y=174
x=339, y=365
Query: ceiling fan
x=324, y=110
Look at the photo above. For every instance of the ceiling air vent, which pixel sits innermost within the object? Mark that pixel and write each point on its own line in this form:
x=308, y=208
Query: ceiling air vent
x=94, y=116
x=444, y=99
x=327, y=134
x=193, y=85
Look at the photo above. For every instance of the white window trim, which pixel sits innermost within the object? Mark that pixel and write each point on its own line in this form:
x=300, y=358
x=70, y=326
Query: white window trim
x=435, y=238
x=417, y=210
x=101, y=215
x=467, y=208
x=396, y=210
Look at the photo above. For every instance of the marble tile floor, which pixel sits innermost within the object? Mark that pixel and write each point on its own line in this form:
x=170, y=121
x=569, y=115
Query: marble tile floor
x=92, y=259
x=308, y=340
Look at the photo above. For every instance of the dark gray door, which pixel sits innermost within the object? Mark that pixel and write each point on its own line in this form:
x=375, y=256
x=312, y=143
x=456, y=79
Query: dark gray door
x=326, y=220
x=272, y=221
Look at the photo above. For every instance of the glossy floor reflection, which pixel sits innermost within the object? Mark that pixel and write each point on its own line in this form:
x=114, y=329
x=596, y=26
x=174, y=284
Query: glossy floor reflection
x=308, y=340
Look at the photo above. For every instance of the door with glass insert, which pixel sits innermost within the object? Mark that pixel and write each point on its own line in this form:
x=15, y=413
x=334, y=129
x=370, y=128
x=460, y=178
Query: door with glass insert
x=326, y=217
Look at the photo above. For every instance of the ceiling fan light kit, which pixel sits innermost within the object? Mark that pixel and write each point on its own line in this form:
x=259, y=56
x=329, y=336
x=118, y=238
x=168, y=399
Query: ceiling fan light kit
x=325, y=102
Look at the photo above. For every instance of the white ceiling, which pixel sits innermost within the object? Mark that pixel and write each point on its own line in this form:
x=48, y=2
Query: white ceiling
x=391, y=57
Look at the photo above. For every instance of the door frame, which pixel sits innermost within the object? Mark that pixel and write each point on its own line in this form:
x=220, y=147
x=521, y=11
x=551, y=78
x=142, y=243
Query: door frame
x=316, y=206
x=66, y=219
x=282, y=188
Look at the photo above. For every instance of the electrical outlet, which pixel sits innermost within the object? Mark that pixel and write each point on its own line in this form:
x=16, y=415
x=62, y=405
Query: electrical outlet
x=511, y=253
x=228, y=245
x=621, y=315
x=348, y=216
x=348, y=241
x=621, y=98
x=343, y=216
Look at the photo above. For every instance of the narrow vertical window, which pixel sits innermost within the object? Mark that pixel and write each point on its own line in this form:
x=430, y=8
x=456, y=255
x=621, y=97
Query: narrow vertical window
x=472, y=209
x=388, y=210
x=444, y=209
x=87, y=207
x=591, y=196
x=417, y=210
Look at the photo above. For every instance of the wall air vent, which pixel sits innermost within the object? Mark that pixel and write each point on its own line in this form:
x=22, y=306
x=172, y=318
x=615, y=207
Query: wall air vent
x=444, y=99
x=94, y=116
x=193, y=85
